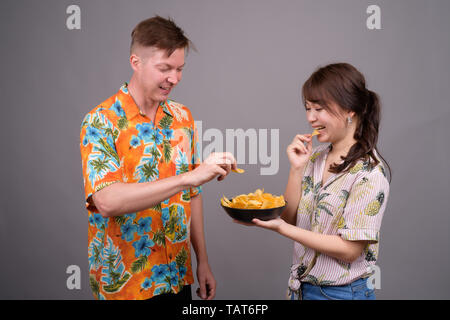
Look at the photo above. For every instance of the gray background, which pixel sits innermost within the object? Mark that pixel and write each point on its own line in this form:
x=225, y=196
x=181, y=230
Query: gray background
x=253, y=57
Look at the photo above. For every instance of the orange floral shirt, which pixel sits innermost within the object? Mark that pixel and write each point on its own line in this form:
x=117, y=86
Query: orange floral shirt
x=141, y=254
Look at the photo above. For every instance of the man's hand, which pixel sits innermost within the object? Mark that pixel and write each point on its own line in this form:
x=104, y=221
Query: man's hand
x=207, y=290
x=217, y=164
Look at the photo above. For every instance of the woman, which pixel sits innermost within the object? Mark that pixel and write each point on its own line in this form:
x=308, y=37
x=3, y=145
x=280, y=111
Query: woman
x=336, y=194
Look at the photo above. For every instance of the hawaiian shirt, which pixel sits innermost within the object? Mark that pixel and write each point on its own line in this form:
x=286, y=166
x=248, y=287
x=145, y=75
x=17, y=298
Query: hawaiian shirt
x=349, y=204
x=140, y=254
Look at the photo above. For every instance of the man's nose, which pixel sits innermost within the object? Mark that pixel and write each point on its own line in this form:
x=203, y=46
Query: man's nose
x=174, y=78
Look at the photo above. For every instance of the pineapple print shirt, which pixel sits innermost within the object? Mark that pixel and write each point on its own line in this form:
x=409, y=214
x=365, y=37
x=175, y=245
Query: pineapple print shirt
x=141, y=254
x=350, y=204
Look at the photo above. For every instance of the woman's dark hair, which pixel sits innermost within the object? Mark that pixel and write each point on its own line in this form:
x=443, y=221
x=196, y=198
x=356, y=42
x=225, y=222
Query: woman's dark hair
x=344, y=85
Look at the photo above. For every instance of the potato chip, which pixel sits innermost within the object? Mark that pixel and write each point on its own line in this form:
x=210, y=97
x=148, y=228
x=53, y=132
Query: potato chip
x=254, y=200
x=266, y=204
x=238, y=170
x=225, y=202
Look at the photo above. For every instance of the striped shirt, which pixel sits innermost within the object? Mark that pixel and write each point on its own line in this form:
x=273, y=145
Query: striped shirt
x=349, y=204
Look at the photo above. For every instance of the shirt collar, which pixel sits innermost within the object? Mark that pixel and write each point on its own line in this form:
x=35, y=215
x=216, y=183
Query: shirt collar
x=130, y=107
x=165, y=105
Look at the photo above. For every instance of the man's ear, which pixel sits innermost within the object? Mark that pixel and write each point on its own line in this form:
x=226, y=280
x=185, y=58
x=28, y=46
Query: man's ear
x=134, y=62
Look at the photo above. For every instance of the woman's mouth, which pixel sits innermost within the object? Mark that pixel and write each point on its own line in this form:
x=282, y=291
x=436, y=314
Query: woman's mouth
x=317, y=130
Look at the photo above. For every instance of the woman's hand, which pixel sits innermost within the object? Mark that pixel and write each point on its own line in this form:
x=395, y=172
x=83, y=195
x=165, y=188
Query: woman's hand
x=298, y=153
x=274, y=224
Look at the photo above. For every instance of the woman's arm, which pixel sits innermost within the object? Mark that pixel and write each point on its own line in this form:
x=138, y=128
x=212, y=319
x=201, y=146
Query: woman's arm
x=298, y=155
x=293, y=195
x=331, y=245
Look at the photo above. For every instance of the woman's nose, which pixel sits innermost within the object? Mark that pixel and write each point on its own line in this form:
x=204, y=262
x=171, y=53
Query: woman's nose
x=310, y=116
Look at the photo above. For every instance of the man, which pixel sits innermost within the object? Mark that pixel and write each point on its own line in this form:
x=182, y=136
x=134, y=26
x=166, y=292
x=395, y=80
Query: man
x=143, y=177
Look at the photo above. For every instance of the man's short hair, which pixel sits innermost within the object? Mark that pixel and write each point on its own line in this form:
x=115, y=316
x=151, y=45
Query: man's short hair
x=159, y=33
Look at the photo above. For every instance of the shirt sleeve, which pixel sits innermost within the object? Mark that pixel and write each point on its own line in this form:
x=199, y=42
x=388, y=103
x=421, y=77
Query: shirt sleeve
x=195, y=158
x=100, y=161
x=365, y=207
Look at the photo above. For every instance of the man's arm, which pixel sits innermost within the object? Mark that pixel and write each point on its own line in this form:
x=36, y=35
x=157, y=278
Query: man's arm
x=122, y=198
x=205, y=277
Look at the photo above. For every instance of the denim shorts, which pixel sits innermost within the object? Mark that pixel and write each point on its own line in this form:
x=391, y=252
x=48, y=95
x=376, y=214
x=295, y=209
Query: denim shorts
x=356, y=290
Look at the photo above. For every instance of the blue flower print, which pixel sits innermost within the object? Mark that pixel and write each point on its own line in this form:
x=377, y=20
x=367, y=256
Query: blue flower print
x=93, y=134
x=85, y=141
x=128, y=229
x=145, y=132
x=173, y=268
x=146, y=284
x=165, y=215
x=159, y=273
x=98, y=220
x=144, y=225
x=117, y=108
x=142, y=246
x=157, y=136
x=173, y=272
x=131, y=216
x=135, y=142
x=183, y=271
x=91, y=219
x=168, y=133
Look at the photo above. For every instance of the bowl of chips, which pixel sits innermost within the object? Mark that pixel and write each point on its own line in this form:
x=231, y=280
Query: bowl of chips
x=258, y=204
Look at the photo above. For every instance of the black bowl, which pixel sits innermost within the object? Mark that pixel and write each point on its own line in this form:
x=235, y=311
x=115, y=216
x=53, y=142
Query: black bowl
x=247, y=215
